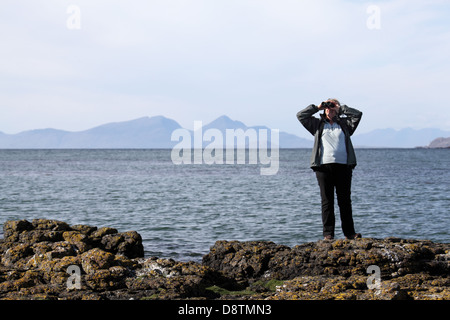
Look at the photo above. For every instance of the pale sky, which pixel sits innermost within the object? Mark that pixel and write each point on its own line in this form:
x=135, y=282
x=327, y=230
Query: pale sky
x=77, y=64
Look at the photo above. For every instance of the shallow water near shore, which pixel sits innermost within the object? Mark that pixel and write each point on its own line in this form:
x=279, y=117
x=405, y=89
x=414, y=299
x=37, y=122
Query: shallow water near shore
x=181, y=210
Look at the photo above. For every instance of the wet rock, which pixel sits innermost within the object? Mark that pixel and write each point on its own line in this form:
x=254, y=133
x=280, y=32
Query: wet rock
x=112, y=278
x=35, y=258
x=16, y=254
x=78, y=240
x=13, y=229
x=97, y=235
x=52, y=225
x=341, y=257
x=170, y=279
x=409, y=269
x=17, y=282
x=40, y=235
x=84, y=229
x=242, y=260
x=128, y=244
x=96, y=259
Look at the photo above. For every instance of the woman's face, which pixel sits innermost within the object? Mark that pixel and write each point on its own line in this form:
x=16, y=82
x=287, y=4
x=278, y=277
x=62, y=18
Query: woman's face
x=332, y=112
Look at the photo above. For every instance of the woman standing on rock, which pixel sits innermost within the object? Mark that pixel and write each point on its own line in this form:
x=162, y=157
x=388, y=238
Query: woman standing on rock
x=333, y=159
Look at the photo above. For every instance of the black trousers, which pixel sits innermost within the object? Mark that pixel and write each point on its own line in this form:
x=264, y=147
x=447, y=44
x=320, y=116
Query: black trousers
x=337, y=177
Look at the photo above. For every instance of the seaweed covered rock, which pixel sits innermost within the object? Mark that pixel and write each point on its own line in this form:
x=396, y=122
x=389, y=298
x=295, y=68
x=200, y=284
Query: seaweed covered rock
x=408, y=269
x=170, y=279
x=96, y=259
x=49, y=259
x=38, y=255
x=243, y=260
x=260, y=259
x=82, y=238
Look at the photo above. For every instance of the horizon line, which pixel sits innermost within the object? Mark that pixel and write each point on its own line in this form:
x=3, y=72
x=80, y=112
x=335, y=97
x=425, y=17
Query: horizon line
x=224, y=115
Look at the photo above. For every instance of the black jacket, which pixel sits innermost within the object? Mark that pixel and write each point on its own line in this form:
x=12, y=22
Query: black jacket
x=348, y=123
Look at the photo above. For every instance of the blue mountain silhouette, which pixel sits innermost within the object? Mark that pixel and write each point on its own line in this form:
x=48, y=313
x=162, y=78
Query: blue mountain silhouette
x=146, y=132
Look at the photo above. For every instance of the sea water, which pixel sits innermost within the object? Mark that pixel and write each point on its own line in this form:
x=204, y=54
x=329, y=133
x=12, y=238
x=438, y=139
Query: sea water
x=181, y=210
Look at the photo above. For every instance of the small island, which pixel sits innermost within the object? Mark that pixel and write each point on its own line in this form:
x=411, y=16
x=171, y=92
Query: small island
x=439, y=143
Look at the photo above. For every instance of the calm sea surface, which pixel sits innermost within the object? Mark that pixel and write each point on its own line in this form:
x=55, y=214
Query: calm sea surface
x=181, y=210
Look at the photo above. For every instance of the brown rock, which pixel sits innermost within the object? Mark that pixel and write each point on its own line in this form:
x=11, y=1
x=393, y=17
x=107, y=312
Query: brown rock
x=106, y=279
x=97, y=235
x=12, y=229
x=96, y=259
x=15, y=255
x=128, y=244
x=35, y=258
x=52, y=225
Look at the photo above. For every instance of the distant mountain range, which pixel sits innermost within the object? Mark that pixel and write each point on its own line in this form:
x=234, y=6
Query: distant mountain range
x=147, y=132
x=404, y=138
x=156, y=132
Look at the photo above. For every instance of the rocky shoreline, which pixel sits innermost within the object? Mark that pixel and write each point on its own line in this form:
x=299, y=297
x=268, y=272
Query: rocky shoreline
x=51, y=260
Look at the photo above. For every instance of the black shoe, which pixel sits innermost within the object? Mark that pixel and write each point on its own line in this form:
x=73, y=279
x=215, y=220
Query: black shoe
x=354, y=236
x=329, y=237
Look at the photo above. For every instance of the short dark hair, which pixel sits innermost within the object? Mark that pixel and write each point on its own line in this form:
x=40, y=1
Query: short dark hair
x=335, y=101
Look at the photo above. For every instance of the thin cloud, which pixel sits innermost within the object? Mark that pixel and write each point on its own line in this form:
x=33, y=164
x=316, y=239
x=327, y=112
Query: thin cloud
x=256, y=61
